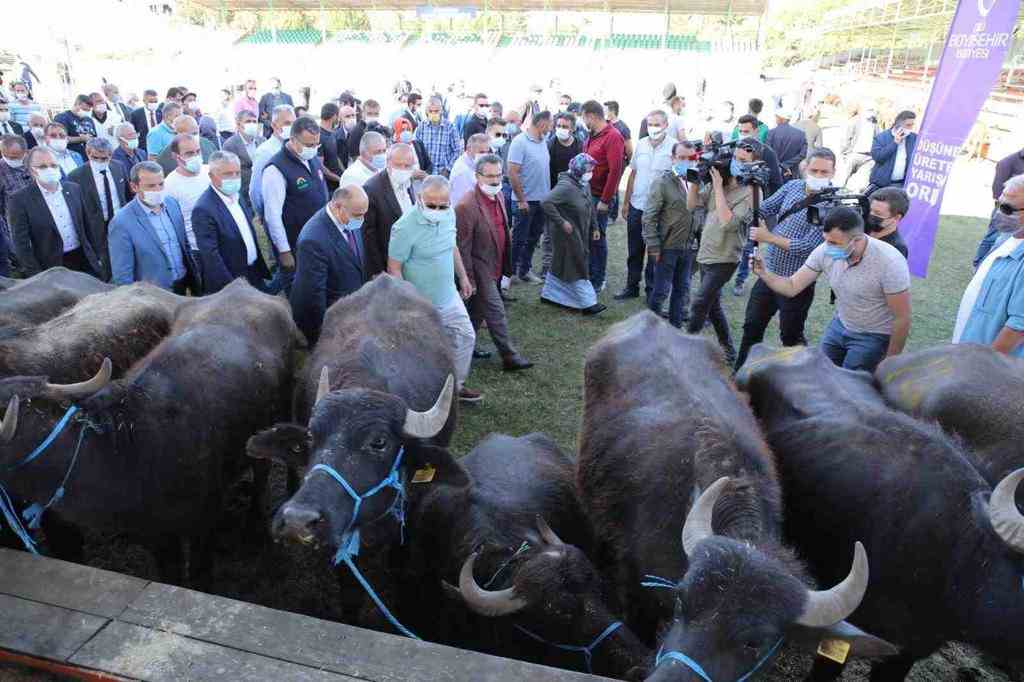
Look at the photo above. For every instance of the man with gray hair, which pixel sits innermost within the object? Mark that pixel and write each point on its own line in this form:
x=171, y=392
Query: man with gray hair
x=159, y=137
x=104, y=190
x=128, y=152
x=330, y=259
x=13, y=176
x=185, y=125
x=390, y=196
x=372, y=158
x=223, y=228
x=243, y=144
x=439, y=136
x=463, y=176
x=423, y=251
x=294, y=189
x=281, y=124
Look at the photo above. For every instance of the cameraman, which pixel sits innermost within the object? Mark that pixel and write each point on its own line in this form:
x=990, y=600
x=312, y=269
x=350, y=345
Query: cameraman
x=784, y=251
x=730, y=209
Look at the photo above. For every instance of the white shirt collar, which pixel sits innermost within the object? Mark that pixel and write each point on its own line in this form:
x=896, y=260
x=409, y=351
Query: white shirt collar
x=48, y=191
x=229, y=200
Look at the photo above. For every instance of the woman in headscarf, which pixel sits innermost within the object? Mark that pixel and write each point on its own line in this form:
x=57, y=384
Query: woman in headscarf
x=572, y=223
x=404, y=133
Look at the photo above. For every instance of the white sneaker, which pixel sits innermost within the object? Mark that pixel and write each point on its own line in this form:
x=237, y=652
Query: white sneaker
x=531, y=278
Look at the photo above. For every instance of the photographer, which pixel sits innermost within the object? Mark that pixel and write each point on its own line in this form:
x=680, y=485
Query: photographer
x=872, y=286
x=729, y=208
x=785, y=249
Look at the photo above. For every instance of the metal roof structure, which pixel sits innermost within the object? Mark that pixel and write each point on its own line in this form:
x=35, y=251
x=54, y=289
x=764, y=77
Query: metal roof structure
x=695, y=7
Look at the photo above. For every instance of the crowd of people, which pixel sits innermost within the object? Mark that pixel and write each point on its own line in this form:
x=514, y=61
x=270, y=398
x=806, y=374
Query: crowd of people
x=458, y=202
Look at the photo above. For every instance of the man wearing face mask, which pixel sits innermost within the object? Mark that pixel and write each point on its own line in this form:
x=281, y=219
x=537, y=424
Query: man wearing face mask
x=439, y=137
x=371, y=160
x=607, y=148
x=35, y=135
x=185, y=125
x=104, y=117
x=144, y=117
x=888, y=207
x=14, y=175
x=477, y=123
x=188, y=180
x=57, y=143
x=247, y=101
x=871, y=282
x=104, y=191
x=23, y=106
x=330, y=259
x=671, y=235
x=422, y=250
x=403, y=133
x=7, y=126
x=293, y=191
x=79, y=123
x=411, y=110
x=653, y=157
x=128, y=152
x=996, y=318
x=147, y=237
x=485, y=246
x=785, y=249
x=270, y=101
x=390, y=196
x=48, y=221
x=224, y=231
x=370, y=123
x=282, y=119
x=244, y=144
x=160, y=137
x=463, y=176
x=328, y=150
x=346, y=124
x=1006, y=168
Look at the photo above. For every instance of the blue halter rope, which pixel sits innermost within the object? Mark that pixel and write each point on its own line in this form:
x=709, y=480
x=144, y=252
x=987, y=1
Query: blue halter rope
x=587, y=651
x=349, y=545
x=693, y=665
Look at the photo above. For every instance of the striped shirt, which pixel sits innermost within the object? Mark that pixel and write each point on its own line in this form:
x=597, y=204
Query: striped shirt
x=164, y=229
x=803, y=237
x=442, y=143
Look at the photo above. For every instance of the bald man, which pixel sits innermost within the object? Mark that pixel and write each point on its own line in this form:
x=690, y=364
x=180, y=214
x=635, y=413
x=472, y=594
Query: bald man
x=184, y=125
x=329, y=259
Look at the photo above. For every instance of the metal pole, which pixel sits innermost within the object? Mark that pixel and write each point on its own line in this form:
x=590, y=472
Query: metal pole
x=892, y=45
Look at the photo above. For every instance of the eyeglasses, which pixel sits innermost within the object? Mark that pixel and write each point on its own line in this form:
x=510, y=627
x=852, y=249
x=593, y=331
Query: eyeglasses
x=436, y=207
x=498, y=135
x=1008, y=209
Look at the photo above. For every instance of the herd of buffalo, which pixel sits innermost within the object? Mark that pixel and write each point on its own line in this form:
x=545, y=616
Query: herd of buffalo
x=706, y=521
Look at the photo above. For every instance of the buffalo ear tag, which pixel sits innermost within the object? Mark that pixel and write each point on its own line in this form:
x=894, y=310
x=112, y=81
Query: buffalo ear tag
x=426, y=475
x=834, y=650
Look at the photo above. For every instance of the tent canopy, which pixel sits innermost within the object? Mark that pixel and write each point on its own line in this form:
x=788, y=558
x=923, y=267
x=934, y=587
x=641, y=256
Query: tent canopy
x=710, y=7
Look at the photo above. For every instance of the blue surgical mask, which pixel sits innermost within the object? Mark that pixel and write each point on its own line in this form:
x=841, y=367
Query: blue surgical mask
x=433, y=215
x=354, y=223
x=231, y=186
x=836, y=252
x=49, y=176
x=735, y=167
x=680, y=168
x=379, y=161
x=194, y=165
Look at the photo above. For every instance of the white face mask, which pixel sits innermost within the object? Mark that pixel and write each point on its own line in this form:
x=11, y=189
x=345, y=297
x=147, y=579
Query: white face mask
x=307, y=153
x=655, y=131
x=817, y=184
x=400, y=176
x=250, y=129
x=490, y=190
x=14, y=163
x=38, y=133
x=48, y=176
x=563, y=134
x=5, y=116
x=152, y=106
x=100, y=165
x=22, y=96
x=370, y=120
x=433, y=215
x=286, y=132
x=100, y=108
x=57, y=144
x=154, y=198
x=497, y=143
x=349, y=123
x=585, y=178
x=132, y=144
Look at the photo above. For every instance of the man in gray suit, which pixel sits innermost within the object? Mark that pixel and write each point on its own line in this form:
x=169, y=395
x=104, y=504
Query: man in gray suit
x=147, y=239
x=243, y=144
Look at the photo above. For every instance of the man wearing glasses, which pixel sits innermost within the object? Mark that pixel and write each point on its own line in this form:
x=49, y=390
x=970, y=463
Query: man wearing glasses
x=422, y=250
x=992, y=308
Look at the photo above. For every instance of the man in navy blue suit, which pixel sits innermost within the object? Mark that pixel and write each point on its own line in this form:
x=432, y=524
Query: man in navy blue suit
x=892, y=151
x=329, y=260
x=223, y=229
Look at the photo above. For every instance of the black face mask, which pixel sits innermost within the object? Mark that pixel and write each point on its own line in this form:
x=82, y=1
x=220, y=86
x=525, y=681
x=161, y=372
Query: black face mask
x=874, y=224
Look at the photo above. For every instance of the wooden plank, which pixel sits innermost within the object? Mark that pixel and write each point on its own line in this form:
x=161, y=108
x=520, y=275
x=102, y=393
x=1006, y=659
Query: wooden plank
x=29, y=627
x=156, y=656
x=345, y=649
x=68, y=585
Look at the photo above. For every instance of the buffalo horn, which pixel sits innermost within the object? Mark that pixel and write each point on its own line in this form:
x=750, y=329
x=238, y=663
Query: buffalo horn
x=546, y=534
x=9, y=424
x=1007, y=521
x=324, y=387
x=428, y=424
x=698, y=521
x=486, y=602
x=828, y=607
x=83, y=389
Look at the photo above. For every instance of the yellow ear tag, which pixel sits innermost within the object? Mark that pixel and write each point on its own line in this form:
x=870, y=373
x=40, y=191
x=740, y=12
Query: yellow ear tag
x=424, y=475
x=834, y=649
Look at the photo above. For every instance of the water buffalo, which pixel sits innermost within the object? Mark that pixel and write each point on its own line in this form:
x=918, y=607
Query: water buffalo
x=44, y=296
x=123, y=325
x=158, y=446
x=947, y=552
x=966, y=388
x=679, y=484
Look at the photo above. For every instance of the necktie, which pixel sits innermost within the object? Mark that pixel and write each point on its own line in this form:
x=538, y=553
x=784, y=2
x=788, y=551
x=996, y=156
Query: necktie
x=352, y=243
x=7, y=129
x=106, y=192
x=152, y=121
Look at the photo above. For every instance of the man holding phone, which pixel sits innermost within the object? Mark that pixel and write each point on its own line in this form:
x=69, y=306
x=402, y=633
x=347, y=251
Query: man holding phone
x=892, y=151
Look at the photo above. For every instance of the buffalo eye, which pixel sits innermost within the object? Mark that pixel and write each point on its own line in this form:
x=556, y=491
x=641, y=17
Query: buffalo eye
x=296, y=448
x=379, y=443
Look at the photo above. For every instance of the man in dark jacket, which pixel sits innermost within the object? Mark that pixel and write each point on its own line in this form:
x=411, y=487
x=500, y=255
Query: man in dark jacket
x=788, y=143
x=892, y=151
x=485, y=245
x=223, y=228
x=369, y=122
x=330, y=259
x=104, y=191
x=390, y=196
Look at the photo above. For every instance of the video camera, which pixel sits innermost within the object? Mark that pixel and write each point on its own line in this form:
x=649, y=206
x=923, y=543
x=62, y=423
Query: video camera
x=719, y=155
x=830, y=198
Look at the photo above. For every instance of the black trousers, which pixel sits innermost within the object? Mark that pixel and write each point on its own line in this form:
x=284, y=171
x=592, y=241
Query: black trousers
x=707, y=303
x=761, y=308
x=76, y=260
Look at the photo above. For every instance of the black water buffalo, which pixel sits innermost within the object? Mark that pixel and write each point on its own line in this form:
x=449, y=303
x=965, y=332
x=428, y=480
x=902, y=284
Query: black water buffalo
x=947, y=552
x=122, y=324
x=44, y=296
x=158, y=446
x=969, y=390
x=679, y=484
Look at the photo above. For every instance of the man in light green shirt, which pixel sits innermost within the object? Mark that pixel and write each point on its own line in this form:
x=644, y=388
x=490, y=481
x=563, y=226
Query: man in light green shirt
x=422, y=250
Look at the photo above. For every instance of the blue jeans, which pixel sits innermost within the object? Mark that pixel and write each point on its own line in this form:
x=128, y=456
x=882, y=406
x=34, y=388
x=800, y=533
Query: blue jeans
x=527, y=233
x=635, y=249
x=853, y=350
x=673, y=272
x=743, y=271
x=988, y=241
x=599, y=249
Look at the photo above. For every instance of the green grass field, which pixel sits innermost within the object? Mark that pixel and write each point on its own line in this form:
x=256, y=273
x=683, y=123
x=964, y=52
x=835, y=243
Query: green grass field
x=549, y=397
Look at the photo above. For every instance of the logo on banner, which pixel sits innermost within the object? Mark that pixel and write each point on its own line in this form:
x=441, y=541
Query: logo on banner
x=982, y=10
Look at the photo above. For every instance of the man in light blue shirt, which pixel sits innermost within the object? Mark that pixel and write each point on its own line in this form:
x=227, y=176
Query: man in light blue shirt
x=281, y=124
x=529, y=173
x=423, y=251
x=160, y=137
x=992, y=308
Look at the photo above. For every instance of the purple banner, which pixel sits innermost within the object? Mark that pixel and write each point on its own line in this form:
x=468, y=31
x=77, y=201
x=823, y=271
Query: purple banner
x=970, y=64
